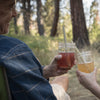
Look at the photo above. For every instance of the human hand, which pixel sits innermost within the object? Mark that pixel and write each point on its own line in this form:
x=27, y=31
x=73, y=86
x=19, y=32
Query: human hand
x=53, y=70
x=88, y=80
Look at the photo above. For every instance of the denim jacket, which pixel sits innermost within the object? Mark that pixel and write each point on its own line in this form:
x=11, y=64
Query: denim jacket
x=24, y=72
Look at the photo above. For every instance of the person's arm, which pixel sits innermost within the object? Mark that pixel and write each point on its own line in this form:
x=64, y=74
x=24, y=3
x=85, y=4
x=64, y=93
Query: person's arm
x=95, y=89
x=88, y=80
x=62, y=81
x=52, y=69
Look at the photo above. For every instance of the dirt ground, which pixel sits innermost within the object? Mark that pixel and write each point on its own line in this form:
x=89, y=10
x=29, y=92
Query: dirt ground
x=78, y=92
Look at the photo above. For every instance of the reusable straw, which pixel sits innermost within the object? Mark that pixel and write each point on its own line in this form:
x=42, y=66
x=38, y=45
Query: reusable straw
x=77, y=50
x=65, y=40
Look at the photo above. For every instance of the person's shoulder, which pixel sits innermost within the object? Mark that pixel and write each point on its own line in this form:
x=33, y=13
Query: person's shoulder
x=10, y=45
x=7, y=43
x=5, y=40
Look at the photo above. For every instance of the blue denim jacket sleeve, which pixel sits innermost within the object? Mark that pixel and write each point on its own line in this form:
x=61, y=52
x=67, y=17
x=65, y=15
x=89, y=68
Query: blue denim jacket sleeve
x=24, y=71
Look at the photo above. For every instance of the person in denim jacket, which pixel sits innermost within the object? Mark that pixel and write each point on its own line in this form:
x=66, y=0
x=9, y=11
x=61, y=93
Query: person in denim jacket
x=27, y=78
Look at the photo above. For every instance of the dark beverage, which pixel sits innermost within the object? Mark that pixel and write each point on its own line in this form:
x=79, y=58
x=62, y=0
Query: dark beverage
x=67, y=60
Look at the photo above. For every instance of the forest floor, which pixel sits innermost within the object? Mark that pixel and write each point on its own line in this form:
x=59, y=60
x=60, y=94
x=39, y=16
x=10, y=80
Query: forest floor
x=78, y=92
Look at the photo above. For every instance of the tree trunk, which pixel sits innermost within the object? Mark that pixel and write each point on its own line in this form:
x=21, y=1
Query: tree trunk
x=15, y=25
x=80, y=32
x=56, y=19
x=26, y=17
x=39, y=22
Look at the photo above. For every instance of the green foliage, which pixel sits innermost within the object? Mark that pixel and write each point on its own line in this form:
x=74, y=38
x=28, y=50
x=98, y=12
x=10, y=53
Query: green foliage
x=11, y=28
x=94, y=28
x=93, y=11
x=96, y=45
x=94, y=32
x=94, y=35
x=66, y=21
x=43, y=45
x=48, y=15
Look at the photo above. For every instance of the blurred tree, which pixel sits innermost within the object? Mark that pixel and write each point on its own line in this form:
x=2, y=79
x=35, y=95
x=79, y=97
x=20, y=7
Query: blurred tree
x=94, y=13
x=15, y=25
x=64, y=15
x=80, y=32
x=26, y=10
x=56, y=19
x=39, y=18
x=48, y=13
x=94, y=27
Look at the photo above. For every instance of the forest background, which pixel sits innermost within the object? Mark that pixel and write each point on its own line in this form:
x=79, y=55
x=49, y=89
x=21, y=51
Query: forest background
x=40, y=25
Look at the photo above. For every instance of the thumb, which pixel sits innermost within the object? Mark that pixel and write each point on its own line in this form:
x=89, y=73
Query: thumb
x=79, y=73
x=56, y=58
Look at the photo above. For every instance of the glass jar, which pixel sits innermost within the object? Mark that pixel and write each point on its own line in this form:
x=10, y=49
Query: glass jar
x=85, y=62
x=68, y=55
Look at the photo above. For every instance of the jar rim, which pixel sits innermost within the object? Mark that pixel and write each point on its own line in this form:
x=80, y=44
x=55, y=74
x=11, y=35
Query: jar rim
x=69, y=43
x=72, y=45
x=85, y=53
